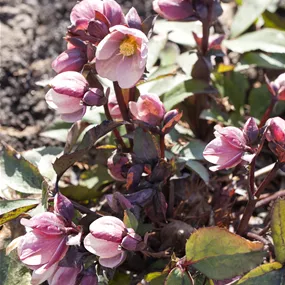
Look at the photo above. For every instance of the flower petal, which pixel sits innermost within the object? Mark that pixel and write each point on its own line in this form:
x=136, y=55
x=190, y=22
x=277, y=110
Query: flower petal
x=114, y=261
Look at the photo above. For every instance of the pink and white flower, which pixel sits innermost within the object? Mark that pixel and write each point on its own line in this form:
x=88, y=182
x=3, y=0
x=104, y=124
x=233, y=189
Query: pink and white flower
x=70, y=94
x=148, y=108
x=115, y=163
x=228, y=149
x=64, y=275
x=121, y=56
x=109, y=239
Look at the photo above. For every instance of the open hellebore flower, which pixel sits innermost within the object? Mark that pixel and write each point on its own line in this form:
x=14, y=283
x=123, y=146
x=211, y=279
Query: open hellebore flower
x=109, y=238
x=173, y=9
x=45, y=244
x=121, y=55
x=276, y=137
x=91, y=19
x=228, y=149
x=70, y=94
x=148, y=108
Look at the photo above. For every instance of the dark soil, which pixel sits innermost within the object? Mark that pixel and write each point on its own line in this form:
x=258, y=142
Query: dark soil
x=32, y=34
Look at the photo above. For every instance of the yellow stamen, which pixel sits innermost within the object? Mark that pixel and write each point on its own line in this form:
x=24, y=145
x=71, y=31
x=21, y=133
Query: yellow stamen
x=129, y=46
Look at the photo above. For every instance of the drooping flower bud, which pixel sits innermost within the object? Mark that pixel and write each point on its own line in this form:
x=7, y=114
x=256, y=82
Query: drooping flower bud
x=115, y=163
x=70, y=60
x=275, y=135
x=170, y=119
x=277, y=87
x=251, y=131
x=133, y=19
x=105, y=240
x=94, y=97
x=114, y=108
x=148, y=109
x=63, y=207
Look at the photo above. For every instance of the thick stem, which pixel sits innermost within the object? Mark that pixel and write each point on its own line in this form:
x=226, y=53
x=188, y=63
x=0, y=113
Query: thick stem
x=206, y=28
x=115, y=131
x=123, y=108
x=162, y=146
x=267, y=179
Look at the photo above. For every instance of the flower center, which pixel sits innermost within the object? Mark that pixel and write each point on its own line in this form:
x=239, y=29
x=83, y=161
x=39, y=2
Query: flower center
x=128, y=46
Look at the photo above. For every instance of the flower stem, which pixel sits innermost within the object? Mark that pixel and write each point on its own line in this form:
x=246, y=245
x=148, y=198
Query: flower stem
x=267, y=112
x=115, y=131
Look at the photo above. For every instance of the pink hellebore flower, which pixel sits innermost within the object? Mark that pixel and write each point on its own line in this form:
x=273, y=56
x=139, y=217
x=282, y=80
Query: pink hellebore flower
x=148, y=108
x=276, y=137
x=44, y=246
x=121, y=56
x=173, y=9
x=279, y=86
x=228, y=148
x=108, y=238
x=70, y=94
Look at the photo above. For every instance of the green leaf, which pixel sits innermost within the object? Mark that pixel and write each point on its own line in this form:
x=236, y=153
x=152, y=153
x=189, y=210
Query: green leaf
x=120, y=278
x=62, y=163
x=272, y=61
x=58, y=131
x=273, y=20
x=130, y=220
x=80, y=193
x=264, y=274
x=178, y=32
x=220, y=254
x=268, y=40
x=185, y=90
x=155, y=278
x=236, y=95
x=186, y=61
x=193, y=150
x=278, y=230
x=18, y=173
x=259, y=100
x=11, y=209
x=200, y=169
x=169, y=54
x=178, y=276
x=247, y=13
x=13, y=272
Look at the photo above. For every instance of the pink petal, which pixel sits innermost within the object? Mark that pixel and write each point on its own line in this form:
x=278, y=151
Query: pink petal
x=70, y=83
x=63, y=103
x=133, y=19
x=73, y=117
x=100, y=247
x=133, y=109
x=234, y=136
x=47, y=223
x=109, y=45
x=113, y=12
x=86, y=10
x=108, y=228
x=114, y=261
x=38, y=249
x=129, y=31
x=129, y=72
x=107, y=68
x=64, y=275
x=42, y=274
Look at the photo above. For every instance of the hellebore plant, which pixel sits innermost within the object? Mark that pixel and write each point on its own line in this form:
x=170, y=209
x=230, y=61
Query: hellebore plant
x=153, y=197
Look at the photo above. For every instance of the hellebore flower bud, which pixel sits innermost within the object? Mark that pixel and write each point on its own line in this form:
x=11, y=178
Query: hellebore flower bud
x=70, y=90
x=105, y=240
x=114, y=108
x=173, y=9
x=133, y=19
x=70, y=60
x=148, y=109
x=170, y=119
x=277, y=87
x=63, y=207
x=276, y=137
x=115, y=163
x=251, y=131
x=94, y=97
x=227, y=149
x=121, y=56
